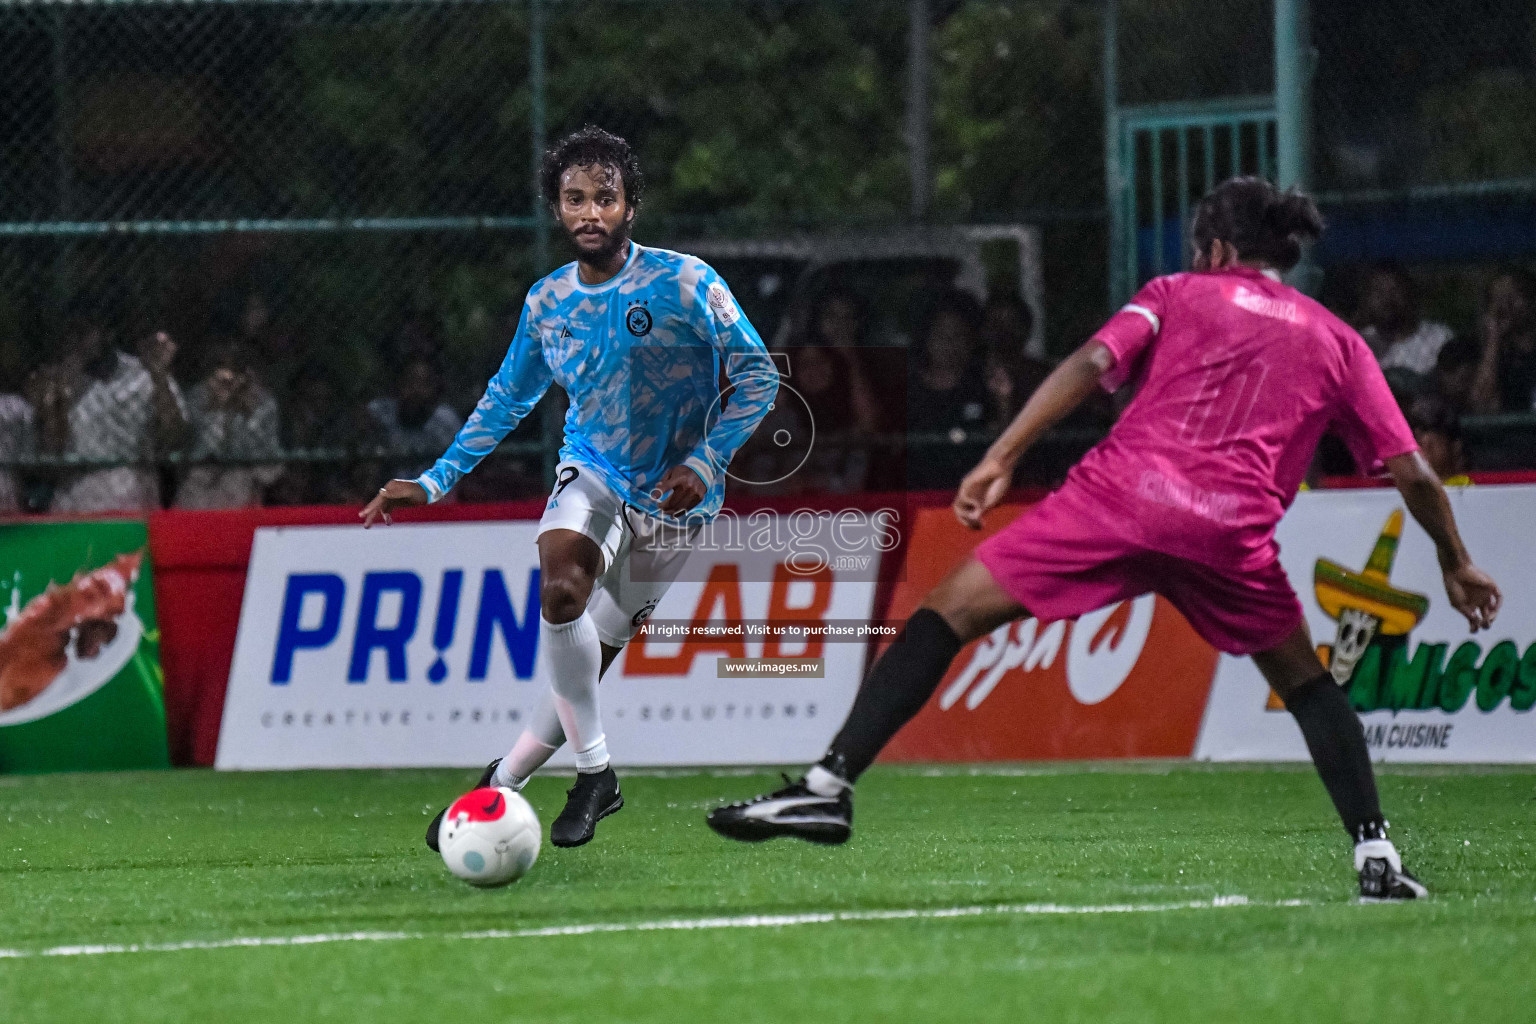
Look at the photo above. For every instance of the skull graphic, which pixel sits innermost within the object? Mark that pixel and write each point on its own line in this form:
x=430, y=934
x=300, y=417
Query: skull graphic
x=1357, y=628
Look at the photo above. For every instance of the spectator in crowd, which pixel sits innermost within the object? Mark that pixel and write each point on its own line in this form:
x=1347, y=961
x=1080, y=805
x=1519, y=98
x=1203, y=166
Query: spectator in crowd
x=839, y=327
x=1012, y=374
x=321, y=428
x=419, y=336
x=414, y=422
x=1456, y=373
x=18, y=443
x=844, y=425
x=503, y=479
x=247, y=315
x=102, y=405
x=947, y=394
x=1437, y=430
x=1390, y=321
x=828, y=369
x=1506, y=372
x=947, y=390
x=833, y=408
x=315, y=412
x=233, y=418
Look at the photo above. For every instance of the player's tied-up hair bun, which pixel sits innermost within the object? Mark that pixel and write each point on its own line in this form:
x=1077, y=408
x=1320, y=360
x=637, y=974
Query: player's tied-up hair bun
x=1259, y=220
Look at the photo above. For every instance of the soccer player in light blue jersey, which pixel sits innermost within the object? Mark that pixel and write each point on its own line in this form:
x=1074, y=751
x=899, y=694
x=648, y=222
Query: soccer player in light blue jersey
x=638, y=338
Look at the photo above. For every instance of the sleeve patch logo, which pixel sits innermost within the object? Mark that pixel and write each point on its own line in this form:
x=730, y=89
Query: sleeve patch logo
x=640, y=617
x=722, y=305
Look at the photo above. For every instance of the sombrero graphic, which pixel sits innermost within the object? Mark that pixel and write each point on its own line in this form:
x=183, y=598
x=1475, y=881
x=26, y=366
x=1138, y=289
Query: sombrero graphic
x=1366, y=603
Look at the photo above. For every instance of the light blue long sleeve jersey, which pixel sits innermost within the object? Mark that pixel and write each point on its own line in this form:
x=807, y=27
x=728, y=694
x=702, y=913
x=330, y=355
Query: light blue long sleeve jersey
x=640, y=357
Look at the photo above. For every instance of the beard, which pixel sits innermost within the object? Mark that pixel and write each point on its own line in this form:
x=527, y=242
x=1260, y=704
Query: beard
x=613, y=243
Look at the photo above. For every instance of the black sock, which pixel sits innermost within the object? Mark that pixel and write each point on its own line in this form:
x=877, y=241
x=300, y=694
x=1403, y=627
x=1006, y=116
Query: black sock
x=902, y=680
x=1336, y=741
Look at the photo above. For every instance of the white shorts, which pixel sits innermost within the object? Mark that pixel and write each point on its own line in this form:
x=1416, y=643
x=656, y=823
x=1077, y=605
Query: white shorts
x=642, y=554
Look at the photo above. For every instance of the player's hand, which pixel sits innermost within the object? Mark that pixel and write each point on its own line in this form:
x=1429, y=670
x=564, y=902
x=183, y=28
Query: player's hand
x=679, y=490
x=1474, y=594
x=981, y=490
x=394, y=495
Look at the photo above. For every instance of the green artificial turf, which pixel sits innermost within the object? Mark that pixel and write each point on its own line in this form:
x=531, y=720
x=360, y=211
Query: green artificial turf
x=186, y=856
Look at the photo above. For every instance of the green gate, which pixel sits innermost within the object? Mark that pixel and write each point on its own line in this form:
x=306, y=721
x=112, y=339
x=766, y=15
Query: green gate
x=1159, y=159
x=1169, y=155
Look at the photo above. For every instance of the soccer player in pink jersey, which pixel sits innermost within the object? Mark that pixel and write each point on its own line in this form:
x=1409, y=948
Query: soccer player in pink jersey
x=1236, y=378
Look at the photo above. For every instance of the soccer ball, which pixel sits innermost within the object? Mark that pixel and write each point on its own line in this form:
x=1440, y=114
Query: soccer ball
x=489, y=837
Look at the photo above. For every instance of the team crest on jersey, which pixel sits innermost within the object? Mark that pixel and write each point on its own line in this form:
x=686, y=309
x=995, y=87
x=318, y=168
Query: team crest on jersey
x=722, y=305
x=638, y=320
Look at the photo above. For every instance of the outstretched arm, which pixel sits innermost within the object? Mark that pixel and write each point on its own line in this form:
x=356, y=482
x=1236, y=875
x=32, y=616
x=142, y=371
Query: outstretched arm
x=1472, y=591
x=170, y=427
x=1063, y=391
x=510, y=396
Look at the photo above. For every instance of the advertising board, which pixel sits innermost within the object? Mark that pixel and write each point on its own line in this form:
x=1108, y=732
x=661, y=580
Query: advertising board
x=80, y=679
x=1425, y=687
x=1129, y=680
x=418, y=645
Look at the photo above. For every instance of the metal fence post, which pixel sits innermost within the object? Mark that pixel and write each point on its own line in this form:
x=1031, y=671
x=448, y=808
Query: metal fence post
x=538, y=102
x=63, y=98
x=919, y=81
x=550, y=426
x=1293, y=112
x=1114, y=186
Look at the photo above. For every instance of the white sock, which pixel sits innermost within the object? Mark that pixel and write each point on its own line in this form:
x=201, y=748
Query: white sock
x=594, y=759
x=512, y=782
x=529, y=752
x=575, y=657
x=823, y=783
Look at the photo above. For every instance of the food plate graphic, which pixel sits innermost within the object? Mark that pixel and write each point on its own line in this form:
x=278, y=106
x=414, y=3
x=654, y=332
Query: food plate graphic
x=49, y=641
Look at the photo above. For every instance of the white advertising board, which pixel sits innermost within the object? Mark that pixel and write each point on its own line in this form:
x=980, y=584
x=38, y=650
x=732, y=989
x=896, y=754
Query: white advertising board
x=1427, y=689
x=417, y=645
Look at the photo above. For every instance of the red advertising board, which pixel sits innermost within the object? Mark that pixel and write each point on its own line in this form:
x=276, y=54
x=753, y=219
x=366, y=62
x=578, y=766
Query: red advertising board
x=1130, y=680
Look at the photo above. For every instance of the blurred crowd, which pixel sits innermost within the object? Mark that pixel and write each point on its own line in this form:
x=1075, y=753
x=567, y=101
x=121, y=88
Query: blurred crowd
x=911, y=412
x=1440, y=378
x=122, y=415
x=918, y=414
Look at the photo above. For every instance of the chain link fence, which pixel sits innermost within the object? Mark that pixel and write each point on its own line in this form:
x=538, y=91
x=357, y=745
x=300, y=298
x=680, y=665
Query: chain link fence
x=1422, y=161
x=1426, y=149
x=1425, y=160
x=325, y=206
x=328, y=205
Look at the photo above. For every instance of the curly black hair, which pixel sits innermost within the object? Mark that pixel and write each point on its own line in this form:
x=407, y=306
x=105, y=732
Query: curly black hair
x=591, y=145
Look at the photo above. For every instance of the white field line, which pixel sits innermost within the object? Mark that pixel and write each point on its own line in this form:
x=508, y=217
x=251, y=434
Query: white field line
x=676, y=924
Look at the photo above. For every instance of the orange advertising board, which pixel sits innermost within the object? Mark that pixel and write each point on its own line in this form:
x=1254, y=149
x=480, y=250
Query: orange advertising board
x=1129, y=680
